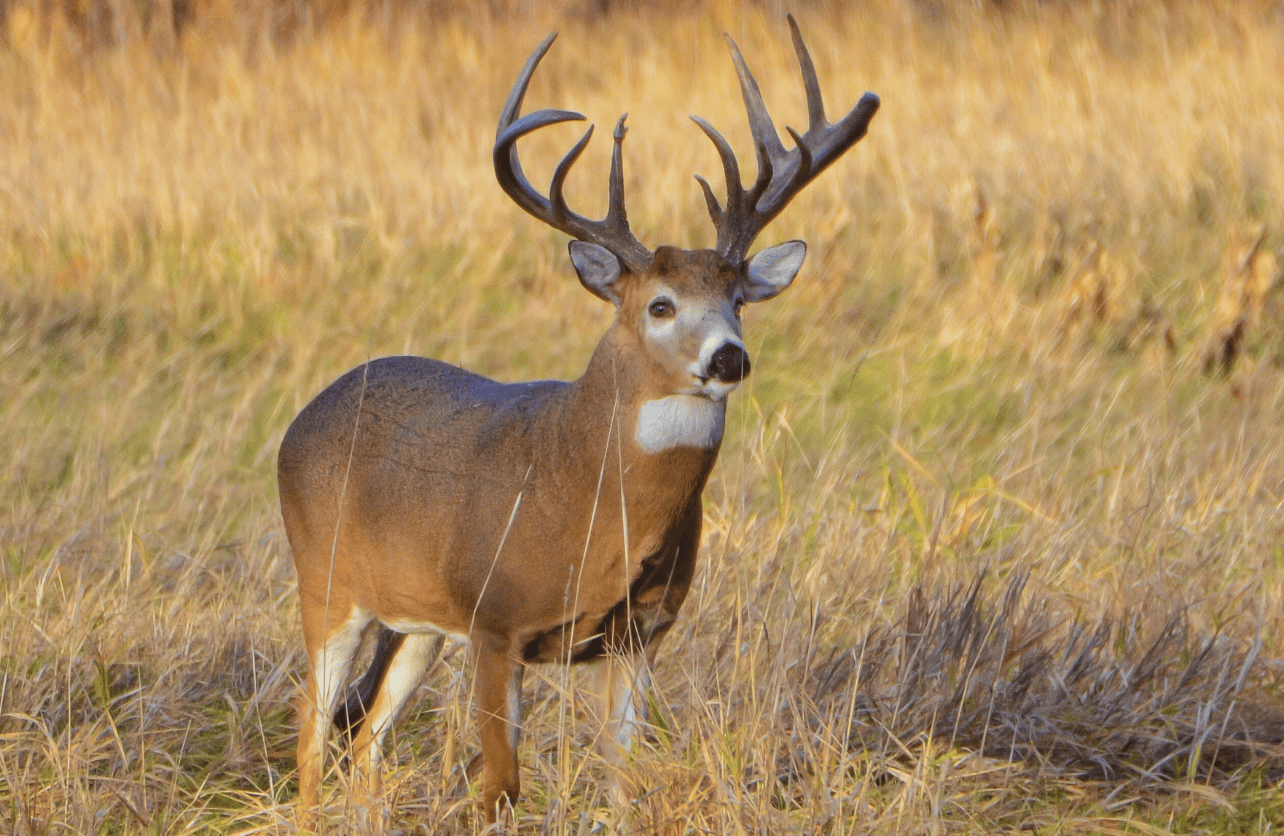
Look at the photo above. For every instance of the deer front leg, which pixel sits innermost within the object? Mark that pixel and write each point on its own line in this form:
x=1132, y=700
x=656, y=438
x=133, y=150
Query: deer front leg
x=498, y=687
x=620, y=686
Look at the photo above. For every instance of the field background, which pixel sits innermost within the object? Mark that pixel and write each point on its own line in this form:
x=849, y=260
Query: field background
x=996, y=539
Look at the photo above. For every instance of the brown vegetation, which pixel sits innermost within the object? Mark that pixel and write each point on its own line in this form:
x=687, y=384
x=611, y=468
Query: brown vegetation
x=1038, y=338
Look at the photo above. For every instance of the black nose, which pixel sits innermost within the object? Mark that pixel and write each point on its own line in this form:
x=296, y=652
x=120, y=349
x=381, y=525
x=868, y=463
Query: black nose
x=729, y=364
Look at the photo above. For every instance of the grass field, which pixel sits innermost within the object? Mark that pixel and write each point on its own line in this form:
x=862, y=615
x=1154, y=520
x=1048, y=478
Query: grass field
x=996, y=540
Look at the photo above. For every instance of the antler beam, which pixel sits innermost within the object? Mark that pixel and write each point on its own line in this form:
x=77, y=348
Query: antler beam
x=781, y=174
x=612, y=232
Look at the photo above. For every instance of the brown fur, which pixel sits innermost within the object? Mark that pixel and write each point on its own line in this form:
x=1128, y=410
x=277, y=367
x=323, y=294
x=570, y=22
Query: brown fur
x=497, y=511
x=542, y=521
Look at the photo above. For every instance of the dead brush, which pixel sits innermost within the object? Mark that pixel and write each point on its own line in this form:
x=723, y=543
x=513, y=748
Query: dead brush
x=1249, y=273
x=1131, y=699
x=191, y=246
x=1090, y=296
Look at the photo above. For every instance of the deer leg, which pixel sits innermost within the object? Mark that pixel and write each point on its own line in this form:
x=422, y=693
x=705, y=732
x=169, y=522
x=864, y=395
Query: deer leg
x=352, y=713
x=498, y=688
x=402, y=671
x=620, y=685
x=331, y=644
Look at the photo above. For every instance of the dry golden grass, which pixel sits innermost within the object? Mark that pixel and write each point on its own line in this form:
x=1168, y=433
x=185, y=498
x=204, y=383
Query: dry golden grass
x=997, y=360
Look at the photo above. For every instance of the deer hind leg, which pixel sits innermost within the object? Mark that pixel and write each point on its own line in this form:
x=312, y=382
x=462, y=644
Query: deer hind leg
x=352, y=713
x=620, y=686
x=400, y=671
x=498, y=687
x=331, y=644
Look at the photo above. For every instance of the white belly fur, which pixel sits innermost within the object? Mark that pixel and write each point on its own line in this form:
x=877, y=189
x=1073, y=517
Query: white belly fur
x=680, y=421
x=421, y=627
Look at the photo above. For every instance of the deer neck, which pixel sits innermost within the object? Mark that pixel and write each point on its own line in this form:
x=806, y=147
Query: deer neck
x=652, y=436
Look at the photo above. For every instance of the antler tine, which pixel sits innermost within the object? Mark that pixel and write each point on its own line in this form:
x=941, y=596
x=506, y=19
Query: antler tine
x=815, y=103
x=760, y=125
x=730, y=171
x=556, y=199
x=508, y=168
x=781, y=174
x=770, y=150
x=513, y=104
x=612, y=232
x=616, y=215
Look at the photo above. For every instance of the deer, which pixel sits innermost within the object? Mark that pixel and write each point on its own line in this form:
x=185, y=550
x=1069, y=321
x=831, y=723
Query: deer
x=541, y=521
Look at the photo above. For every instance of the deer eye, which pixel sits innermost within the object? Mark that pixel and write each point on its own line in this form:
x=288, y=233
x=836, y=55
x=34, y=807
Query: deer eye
x=739, y=305
x=661, y=308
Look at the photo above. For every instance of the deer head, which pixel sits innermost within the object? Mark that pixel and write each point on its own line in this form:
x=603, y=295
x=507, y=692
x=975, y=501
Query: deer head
x=609, y=259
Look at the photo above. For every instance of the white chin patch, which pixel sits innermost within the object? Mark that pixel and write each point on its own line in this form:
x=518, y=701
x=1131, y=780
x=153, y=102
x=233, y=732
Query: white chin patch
x=680, y=421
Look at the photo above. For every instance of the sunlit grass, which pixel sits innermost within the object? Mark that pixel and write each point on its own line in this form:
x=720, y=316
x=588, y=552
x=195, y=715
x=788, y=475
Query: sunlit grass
x=1038, y=333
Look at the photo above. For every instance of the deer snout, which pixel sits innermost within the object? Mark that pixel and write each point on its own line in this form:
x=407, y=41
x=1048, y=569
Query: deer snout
x=729, y=364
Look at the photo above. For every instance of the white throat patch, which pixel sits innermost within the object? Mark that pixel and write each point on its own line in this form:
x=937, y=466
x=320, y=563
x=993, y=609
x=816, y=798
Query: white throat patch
x=680, y=421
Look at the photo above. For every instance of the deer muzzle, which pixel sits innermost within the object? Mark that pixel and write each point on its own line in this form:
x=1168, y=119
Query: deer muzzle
x=729, y=364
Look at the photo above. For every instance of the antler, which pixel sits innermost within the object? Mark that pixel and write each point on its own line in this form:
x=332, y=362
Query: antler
x=781, y=174
x=612, y=232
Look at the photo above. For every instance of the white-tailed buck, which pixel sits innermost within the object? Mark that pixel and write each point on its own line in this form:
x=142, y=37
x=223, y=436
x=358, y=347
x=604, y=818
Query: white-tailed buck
x=545, y=521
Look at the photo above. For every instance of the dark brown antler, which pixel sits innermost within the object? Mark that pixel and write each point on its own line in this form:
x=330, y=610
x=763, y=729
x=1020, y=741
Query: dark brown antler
x=612, y=232
x=781, y=174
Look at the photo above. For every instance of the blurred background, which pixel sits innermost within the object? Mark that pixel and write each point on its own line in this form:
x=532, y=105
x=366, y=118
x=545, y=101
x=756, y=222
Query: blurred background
x=996, y=537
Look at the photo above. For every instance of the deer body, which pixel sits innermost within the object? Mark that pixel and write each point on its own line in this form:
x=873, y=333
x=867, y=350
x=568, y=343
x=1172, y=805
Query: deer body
x=544, y=521
x=462, y=485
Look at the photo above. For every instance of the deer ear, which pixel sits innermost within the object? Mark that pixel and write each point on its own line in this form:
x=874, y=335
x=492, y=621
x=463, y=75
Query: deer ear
x=597, y=268
x=772, y=270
